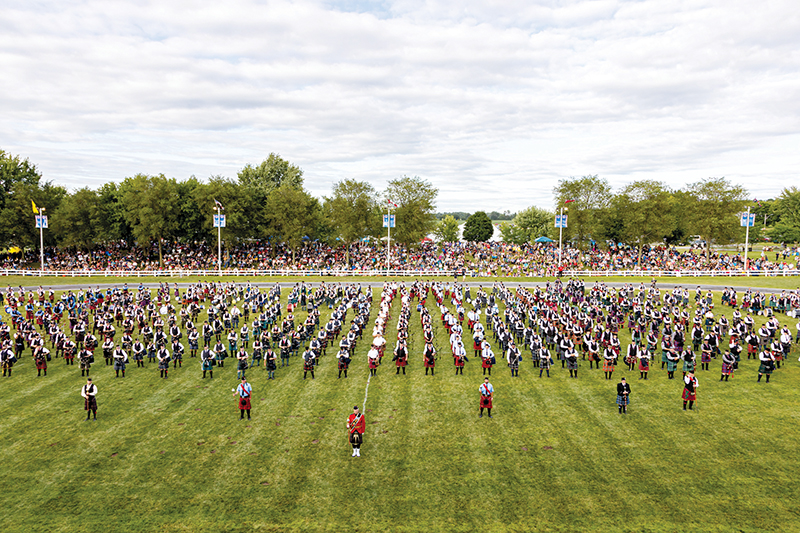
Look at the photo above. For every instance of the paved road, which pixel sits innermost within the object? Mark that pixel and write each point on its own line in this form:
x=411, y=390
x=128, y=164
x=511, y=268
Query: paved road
x=661, y=285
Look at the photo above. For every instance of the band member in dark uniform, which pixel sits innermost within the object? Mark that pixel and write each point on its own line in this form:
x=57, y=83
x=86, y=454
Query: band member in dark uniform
x=89, y=393
x=487, y=395
x=623, y=396
x=309, y=360
x=429, y=358
x=767, y=363
x=400, y=356
x=689, y=390
x=207, y=362
x=356, y=426
x=343, y=361
x=271, y=362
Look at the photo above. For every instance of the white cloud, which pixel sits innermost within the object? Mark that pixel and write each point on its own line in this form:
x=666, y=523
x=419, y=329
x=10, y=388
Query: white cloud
x=492, y=102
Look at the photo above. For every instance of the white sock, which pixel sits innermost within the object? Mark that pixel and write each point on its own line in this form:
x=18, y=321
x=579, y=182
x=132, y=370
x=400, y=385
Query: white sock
x=358, y=452
x=354, y=453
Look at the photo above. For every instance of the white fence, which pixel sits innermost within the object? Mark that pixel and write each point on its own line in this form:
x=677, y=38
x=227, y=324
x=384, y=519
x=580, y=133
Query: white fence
x=390, y=273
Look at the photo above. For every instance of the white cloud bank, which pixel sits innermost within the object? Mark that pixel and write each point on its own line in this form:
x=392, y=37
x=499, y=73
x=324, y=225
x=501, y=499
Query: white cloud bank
x=493, y=102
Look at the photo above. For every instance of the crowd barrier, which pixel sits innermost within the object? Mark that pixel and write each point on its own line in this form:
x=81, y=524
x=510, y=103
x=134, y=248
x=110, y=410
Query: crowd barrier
x=391, y=273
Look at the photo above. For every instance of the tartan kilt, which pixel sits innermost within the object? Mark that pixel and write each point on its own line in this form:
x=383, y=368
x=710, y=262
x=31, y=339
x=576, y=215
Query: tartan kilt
x=664, y=358
x=672, y=366
x=486, y=402
x=608, y=365
x=477, y=345
x=342, y=364
x=644, y=366
x=623, y=399
x=308, y=366
x=705, y=357
x=689, y=395
x=244, y=403
x=765, y=369
x=90, y=404
x=207, y=365
x=430, y=363
x=486, y=362
x=688, y=366
x=373, y=363
x=41, y=364
x=401, y=362
x=727, y=368
x=572, y=365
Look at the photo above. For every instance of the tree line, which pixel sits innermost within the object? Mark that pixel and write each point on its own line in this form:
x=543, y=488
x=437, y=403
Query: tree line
x=648, y=211
x=269, y=202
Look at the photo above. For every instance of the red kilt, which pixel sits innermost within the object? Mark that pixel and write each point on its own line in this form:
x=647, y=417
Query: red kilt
x=459, y=362
x=41, y=364
x=373, y=363
x=90, y=404
x=430, y=363
x=244, y=403
x=486, y=402
x=342, y=364
x=477, y=345
x=644, y=367
x=401, y=362
x=308, y=366
x=486, y=362
x=689, y=396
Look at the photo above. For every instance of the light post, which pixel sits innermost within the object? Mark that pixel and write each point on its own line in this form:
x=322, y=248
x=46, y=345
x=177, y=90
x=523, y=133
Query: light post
x=388, y=223
x=561, y=223
x=219, y=223
x=747, y=221
x=41, y=223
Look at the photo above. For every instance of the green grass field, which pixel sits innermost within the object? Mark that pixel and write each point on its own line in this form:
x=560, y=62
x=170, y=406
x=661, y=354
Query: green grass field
x=171, y=455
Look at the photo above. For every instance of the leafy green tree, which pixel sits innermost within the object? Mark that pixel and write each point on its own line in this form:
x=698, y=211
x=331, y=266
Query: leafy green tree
x=786, y=209
x=14, y=170
x=535, y=222
x=416, y=204
x=513, y=234
x=244, y=219
x=352, y=212
x=645, y=211
x=590, y=196
x=17, y=223
x=714, y=210
x=77, y=219
x=272, y=173
x=478, y=227
x=447, y=229
x=190, y=214
x=788, y=206
x=152, y=208
x=292, y=216
x=111, y=222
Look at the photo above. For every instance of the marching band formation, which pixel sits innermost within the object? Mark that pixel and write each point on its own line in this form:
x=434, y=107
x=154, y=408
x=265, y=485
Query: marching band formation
x=559, y=322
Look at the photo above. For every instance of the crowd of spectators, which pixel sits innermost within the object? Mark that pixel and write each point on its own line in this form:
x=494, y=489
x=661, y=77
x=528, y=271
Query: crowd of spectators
x=475, y=259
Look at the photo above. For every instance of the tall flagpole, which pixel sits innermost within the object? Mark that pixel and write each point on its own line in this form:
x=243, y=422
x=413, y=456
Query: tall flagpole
x=41, y=240
x=388, y=233
x=560, y=234
x=747, y=243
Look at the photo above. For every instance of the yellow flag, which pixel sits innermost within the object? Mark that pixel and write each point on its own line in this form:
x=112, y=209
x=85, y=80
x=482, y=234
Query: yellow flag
x=35, y=210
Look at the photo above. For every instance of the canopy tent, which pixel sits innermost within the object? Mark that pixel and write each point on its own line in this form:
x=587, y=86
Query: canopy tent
x=543, y=239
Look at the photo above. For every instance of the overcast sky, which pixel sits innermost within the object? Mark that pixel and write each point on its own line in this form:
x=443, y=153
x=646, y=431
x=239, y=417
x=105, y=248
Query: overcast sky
x=492, y=102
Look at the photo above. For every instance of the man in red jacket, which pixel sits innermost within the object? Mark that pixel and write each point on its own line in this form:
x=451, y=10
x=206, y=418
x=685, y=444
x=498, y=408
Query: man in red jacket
x=356, y=425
